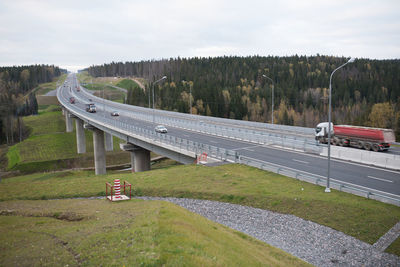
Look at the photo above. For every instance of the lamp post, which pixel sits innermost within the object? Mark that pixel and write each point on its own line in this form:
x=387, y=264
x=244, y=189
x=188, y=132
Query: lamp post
x=190, y=97
x=272, y=93
x=327, y=189
x=164, y=77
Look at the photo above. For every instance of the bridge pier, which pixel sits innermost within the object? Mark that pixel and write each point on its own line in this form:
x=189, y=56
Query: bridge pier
x=140, y=157
x=99, y=152
x=80, y=136
x=99, y=149
x=109, y=142
x=68, y=122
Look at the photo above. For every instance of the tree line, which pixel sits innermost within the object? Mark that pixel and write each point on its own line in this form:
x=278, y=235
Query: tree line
x=366, y=92
x=17, y=98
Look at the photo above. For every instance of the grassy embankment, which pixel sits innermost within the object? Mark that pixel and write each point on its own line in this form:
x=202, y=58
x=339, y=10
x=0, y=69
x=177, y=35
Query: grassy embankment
x=361, y=218
x=50, y=148
x=102, y=85
x=44, y=88
x=133, y=233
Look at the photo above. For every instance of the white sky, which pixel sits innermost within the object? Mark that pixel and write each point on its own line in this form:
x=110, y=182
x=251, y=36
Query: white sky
x=76, y=34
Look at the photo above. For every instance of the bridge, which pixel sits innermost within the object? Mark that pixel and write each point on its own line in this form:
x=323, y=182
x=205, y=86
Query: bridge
x=286, y=150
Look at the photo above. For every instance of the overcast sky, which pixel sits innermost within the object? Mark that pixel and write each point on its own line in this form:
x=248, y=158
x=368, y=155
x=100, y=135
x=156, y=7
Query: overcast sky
x=76, y=34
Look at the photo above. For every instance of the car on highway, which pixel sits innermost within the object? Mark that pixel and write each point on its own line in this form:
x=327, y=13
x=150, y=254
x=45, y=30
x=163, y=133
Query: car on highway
x=72, y=100
x=91, y=108
x=161, y=129
x=115, y=113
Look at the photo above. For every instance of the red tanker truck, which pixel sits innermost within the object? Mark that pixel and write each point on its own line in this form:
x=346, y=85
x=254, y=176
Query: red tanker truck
x=376, y=139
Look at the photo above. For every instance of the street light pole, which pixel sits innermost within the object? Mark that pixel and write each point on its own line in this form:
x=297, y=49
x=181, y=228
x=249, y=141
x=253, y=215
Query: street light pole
x=164, y=77
x=327, y=189
x=272, y=104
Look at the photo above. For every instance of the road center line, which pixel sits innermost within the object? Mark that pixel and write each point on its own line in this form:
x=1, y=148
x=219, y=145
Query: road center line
x=305, y=162
x=380, y=179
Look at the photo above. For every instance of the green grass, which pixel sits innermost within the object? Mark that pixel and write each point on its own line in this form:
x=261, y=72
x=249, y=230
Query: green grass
x=13, y=156
x=127, y=84
x=99, y=87
x=394, y=248
x=50, y=148
x=44, y=88
x=47, y=122
x=361, y=218
x=130, y=233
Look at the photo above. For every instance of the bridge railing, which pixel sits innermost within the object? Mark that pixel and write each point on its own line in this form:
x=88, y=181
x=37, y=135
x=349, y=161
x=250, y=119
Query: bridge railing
x=258, y=136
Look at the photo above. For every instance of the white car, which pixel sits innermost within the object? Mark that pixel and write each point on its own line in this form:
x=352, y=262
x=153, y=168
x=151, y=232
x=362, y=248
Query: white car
x=115, y=113
x=160, y=129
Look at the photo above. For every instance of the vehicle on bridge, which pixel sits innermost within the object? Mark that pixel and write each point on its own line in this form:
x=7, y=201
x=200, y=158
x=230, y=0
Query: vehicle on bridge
x=161, y=129
x=72, y=100
x=376, y=139
x=115, y=113
x=91, y=108
x=78, y=89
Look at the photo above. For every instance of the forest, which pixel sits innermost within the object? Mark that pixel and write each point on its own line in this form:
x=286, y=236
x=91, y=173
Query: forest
x=365, y=92
x=17, y=98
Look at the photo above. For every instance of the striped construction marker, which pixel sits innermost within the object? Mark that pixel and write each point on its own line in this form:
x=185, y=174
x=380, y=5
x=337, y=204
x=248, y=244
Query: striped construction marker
x=117, y=187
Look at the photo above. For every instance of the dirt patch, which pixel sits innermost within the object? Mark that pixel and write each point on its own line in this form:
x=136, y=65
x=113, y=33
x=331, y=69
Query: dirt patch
x=65, y=216
x=68, y=216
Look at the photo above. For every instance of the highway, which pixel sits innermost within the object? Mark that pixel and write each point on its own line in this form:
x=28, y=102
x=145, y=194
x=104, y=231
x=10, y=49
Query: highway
x=382, y=180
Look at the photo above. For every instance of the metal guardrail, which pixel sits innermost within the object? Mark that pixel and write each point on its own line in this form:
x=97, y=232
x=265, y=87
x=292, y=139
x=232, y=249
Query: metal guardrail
x=318, y=180
x=230, y=155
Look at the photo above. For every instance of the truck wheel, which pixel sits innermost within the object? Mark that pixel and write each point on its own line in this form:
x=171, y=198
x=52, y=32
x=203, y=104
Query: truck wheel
x=360, y=144
x=375, y=147
x=367, y=146
x=341, y=142
x=335, y=141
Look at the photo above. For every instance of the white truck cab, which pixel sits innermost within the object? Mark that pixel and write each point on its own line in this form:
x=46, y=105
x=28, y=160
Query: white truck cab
x=322, y=130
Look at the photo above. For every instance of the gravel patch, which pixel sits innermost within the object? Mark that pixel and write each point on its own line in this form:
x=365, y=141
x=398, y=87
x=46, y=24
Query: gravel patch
x=309, y=241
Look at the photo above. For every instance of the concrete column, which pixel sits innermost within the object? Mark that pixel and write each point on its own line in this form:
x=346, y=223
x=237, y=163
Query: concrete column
x=140, y=157
x=80, y=136
x=99, y=152
x=141, y=160
x=109, y=142
x=68, y=122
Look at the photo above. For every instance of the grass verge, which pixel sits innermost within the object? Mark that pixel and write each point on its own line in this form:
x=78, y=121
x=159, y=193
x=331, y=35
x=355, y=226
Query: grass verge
x=361, y=218
x=131, y=233
x=394, y=248
x=44, y=88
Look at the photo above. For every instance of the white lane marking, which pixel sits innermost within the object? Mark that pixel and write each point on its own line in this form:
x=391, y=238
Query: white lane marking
x=301, y=161
x=324, y=177
x=248, y=149
x=215, y=142
x=380, y=179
